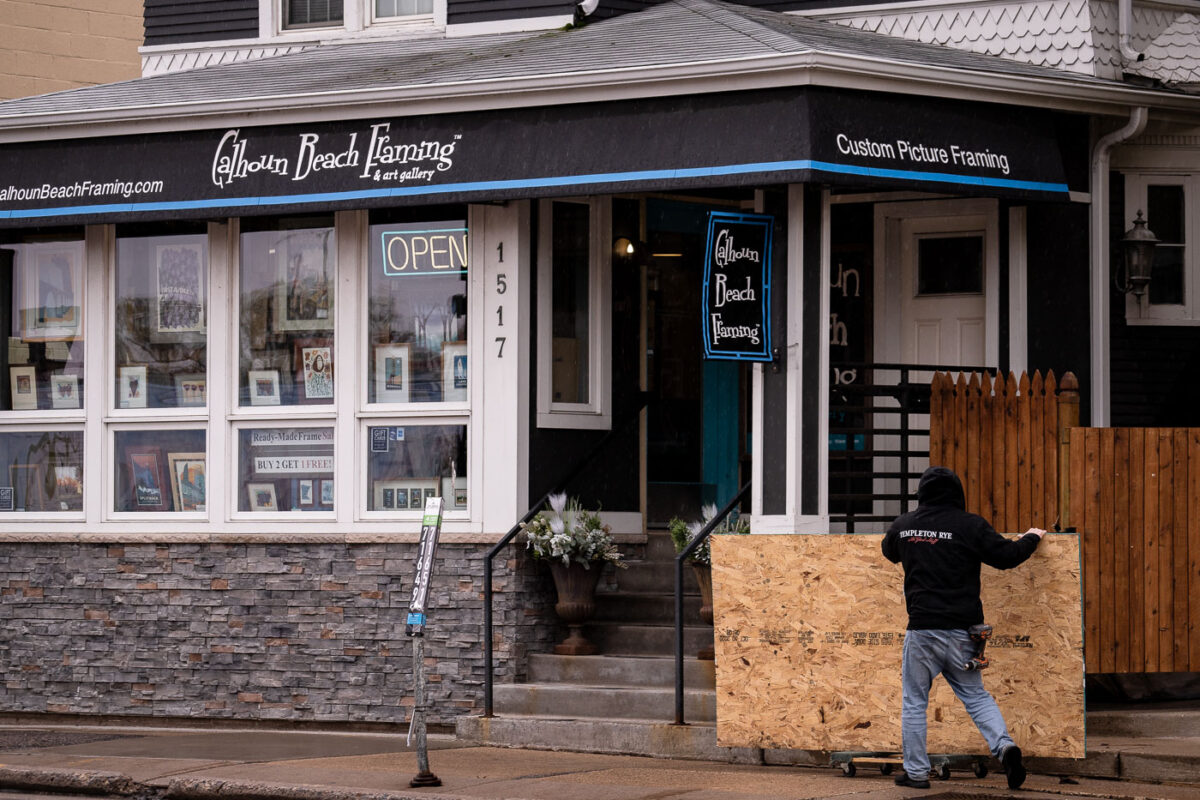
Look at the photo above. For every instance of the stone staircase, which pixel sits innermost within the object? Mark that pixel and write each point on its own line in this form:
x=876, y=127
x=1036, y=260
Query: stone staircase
x=623, y=700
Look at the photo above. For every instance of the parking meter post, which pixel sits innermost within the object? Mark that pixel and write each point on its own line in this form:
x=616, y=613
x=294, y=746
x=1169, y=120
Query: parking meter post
x=431, y=525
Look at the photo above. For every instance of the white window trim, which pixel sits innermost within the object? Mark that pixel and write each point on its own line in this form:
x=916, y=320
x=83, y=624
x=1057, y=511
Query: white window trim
x=358, y=18
x=596, y=414
x=1140, y=311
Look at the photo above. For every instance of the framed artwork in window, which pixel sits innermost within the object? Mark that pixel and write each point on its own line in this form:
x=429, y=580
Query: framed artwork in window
x=455, y=493
x=132, y=388
x=64, y=391
x=52, y=307
x=147, y=479
x=326, y=492
x=454, y=372
x=262, y=497
x=304, y=492
x=314, y=370
x=29, y=486
x=191, y=390
x=187, y=480
x=23, y=383
x=304, y=287
x=263, y=385
x=392, y=373
x=178, y=306
x=68, y=487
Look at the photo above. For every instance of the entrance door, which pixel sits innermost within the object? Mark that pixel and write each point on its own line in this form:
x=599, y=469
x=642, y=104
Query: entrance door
x=696, y=428
x=937, y=303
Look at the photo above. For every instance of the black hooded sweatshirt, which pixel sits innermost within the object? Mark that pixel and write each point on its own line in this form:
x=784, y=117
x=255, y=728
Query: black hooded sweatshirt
x=941, y=546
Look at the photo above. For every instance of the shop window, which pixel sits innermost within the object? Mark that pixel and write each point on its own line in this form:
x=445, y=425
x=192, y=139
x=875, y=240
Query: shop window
x=407, y=464
x=42, y=307
x=42, y=471
x=1173, y=296
x=161, y=470
x=417, y=350
x=286, y=325
x=285, y=469
x=161, y=318
x=573, y=314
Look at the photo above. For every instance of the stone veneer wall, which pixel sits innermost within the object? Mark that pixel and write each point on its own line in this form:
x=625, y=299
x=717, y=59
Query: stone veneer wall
x=248, y=631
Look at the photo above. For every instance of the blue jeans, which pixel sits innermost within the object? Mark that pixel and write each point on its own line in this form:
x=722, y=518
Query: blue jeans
x=927, y=653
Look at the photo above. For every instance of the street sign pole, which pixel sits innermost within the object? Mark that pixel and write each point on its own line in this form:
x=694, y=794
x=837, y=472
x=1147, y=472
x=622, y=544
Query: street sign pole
x=431, y=525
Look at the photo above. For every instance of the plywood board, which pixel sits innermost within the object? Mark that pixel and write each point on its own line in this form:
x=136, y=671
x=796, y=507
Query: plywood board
x=809, y=630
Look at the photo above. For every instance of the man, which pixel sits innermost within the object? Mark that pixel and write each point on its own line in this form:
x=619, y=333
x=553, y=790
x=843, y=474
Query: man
x=942, y=546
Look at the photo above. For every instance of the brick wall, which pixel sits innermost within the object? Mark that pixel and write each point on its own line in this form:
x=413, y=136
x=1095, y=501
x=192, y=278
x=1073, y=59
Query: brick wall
x=297, y=632
x=52, y=45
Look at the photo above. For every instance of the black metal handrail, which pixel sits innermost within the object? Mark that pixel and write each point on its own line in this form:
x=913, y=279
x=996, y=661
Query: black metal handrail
x=911, y=399
x=682, y=556
x=488, y=665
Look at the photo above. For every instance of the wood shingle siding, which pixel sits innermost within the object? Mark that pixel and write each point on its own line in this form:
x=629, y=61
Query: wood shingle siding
x=183, y=21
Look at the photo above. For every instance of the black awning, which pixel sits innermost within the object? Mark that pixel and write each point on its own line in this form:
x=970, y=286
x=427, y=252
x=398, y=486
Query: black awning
x=728, y=139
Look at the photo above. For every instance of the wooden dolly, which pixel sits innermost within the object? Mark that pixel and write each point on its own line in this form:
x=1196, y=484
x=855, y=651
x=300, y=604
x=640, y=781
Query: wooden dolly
x=942, y=764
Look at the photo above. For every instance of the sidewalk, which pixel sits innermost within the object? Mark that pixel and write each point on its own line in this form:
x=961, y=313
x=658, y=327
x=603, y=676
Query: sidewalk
x=266, y=765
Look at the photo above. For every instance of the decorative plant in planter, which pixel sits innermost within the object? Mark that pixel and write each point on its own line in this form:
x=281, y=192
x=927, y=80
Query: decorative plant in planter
x=577, y=545
x=682, y=534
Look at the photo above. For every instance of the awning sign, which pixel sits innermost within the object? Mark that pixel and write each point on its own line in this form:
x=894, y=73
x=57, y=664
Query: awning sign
x=737, y=287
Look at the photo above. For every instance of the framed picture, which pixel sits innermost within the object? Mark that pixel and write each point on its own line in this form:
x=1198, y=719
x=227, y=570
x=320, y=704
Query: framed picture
x=304, y=493
x=23, y=383
x=263, y=385
x=6, y=499
x=64, y=391
x=262, y=497
x=29, y=486
x=187, y=480
x=68, y=487
x=191, y=390
x=454, y=372
x=53, y=292
x=404, y=494
x=304, y=288
x=392, y=374
x=178, y=310
x=326, y=492
x=314, y=371
x=132, y=388
x=455, y=493
x=147, y=479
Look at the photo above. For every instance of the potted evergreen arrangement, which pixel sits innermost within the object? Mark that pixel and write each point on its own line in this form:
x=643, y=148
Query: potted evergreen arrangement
x=576, y=545
x=682, y=534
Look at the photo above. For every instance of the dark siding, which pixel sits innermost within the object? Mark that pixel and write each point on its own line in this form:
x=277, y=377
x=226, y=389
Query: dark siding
x=1155, y=368
x=1058, y=323
x=775, y=442
x=183, y=21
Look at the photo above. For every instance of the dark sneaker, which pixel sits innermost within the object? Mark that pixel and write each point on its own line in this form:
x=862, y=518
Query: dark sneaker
x=1011, y=759
x=903, y=780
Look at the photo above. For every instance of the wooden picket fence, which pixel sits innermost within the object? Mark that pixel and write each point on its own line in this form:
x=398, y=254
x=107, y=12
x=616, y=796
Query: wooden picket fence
x=1132, y=493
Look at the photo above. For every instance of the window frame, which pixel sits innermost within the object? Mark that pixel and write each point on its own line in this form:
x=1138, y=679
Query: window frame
x=1139, y=311
x=358, y=18
x=596, y=414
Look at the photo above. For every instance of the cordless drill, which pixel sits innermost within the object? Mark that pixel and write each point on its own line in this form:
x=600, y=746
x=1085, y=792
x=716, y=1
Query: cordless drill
x=980, y=635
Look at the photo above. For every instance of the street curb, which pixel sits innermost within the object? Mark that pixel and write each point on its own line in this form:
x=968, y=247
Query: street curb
x=209, y=788
x=65, y=780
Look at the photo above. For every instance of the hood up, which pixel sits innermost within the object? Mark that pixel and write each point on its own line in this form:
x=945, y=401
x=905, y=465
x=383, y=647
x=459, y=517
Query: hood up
x=939, y=486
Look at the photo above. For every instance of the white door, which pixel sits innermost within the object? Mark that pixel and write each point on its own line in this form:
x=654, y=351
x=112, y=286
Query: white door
x=936, y=302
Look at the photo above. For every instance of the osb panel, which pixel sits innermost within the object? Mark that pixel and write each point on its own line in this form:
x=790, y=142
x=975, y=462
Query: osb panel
x=809, y=630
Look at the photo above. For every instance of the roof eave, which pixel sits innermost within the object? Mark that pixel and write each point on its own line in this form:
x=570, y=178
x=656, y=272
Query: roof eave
x=717, y=75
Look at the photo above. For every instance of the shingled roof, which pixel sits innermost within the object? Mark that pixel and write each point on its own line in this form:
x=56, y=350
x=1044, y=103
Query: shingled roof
x=677, y=32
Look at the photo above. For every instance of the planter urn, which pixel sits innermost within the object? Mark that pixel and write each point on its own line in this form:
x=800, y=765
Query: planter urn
x=576, y=585
x=704, y=580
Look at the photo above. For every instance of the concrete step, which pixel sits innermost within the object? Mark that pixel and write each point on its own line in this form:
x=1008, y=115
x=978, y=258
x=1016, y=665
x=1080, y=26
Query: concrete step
x=656, y=609
x=655, y=738
x=647, y=640
x=619, y=671
x=659, y=546
x=602, y=702
x=1135, y=721
x=654, y=577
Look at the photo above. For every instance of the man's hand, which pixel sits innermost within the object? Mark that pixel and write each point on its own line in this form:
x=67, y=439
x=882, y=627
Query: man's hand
x=1040, y=533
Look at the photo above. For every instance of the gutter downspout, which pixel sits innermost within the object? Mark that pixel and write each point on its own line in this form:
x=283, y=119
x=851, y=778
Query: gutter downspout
x=1124, y=28
x=1101, y=324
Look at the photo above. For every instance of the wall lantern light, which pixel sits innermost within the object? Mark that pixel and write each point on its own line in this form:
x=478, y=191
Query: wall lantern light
x=624, y=248
x=1137, y=259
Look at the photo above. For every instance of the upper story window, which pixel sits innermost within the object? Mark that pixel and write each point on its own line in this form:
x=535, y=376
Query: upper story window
x=350, y=16
x=1168, y=201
